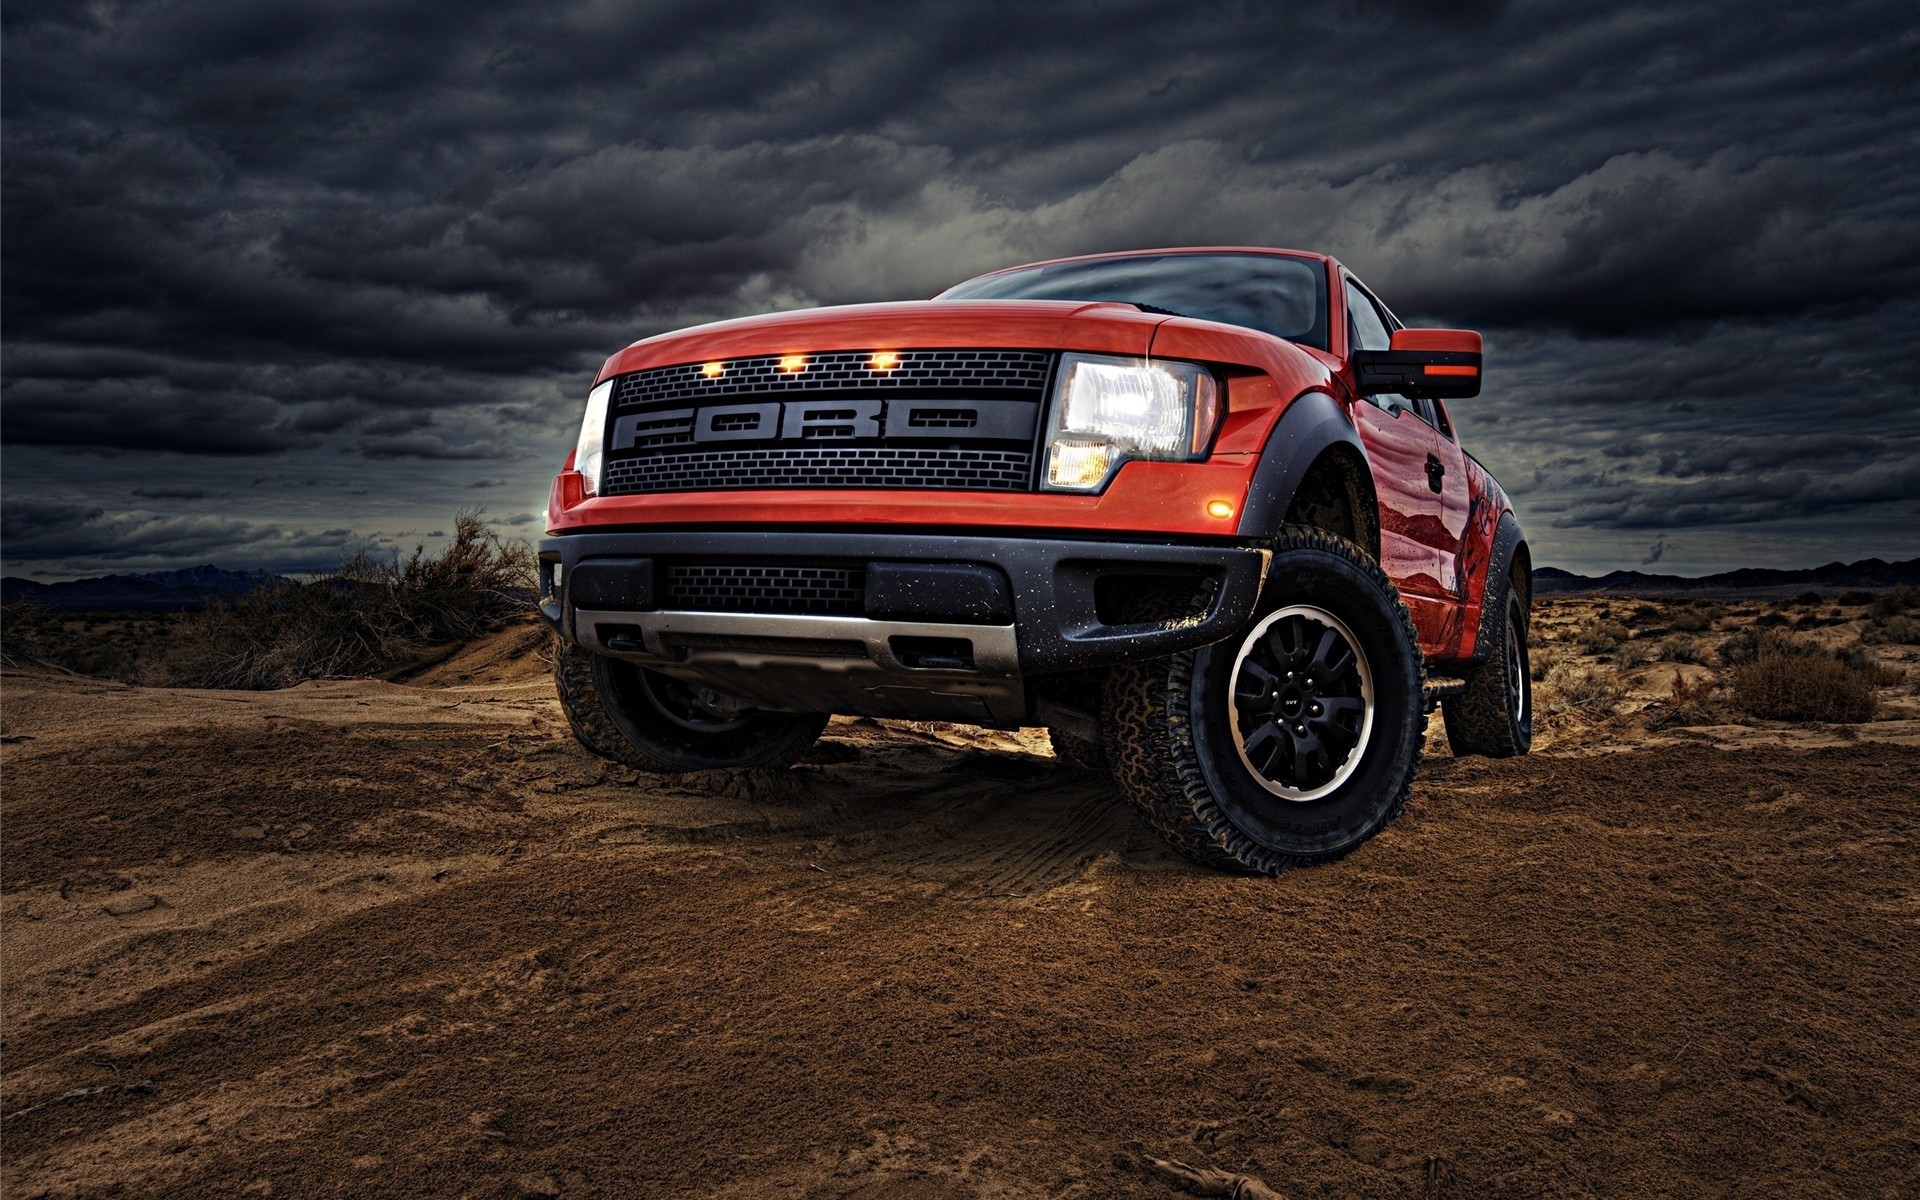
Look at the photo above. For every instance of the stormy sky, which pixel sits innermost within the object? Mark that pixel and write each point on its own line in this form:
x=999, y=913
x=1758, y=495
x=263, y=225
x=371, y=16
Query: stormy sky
x=284, y=281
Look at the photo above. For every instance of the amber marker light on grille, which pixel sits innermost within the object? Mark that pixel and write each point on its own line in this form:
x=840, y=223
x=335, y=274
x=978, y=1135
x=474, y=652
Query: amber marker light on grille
x=714, y=370
x=884, y=360
x=793, y=364
x=1220, y=510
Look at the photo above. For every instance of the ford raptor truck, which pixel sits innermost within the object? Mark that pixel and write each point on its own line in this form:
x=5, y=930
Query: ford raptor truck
x=1201, y=513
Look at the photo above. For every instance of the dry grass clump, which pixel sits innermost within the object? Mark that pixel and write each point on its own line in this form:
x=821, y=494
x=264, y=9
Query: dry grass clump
x=1681, y=648
x=369, y=616
x=1686, y=704
x=1894, y=602
x=1788, y=680
x=1601, y=637
x=1899, y=629
x=1632, y=654
x=1588, y=693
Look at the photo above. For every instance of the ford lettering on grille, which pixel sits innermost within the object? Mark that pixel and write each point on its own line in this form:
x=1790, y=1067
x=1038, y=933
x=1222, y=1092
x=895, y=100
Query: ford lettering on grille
x=958, y=419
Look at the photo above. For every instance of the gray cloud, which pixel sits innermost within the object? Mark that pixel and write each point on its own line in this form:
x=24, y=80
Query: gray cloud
x=380, y=252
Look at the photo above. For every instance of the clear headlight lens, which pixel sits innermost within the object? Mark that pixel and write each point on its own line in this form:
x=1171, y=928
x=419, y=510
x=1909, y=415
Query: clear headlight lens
x=593, y=437
x=1106, y=411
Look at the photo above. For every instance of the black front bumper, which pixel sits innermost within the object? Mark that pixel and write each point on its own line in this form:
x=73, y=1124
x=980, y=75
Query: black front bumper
x=1062, y=591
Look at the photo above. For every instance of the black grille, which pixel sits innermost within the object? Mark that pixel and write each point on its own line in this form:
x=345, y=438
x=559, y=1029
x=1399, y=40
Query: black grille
x=838, y=371
x=963, y=420
x=821, y=467
x=765, y=588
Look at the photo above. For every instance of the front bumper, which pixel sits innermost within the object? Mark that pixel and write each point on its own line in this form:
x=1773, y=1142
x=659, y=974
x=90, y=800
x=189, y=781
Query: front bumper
x=951, y=657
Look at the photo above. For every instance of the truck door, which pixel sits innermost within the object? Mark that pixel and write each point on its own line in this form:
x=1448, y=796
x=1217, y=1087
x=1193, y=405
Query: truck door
x=1420, y=479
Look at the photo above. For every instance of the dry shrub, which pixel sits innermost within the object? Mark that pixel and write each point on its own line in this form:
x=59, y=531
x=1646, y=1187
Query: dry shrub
x=1587, y=693
x=1541, y=659
x=1900, y=629
x=1691, y=620
x=1646, y=614
x=1786, y=680
x=1632, y=654
x=1601, y=637
x=1686, y=704
x=1681, y=648
x=367, y=617
x=275, y=639
x=1893, y=603
x=24, y=629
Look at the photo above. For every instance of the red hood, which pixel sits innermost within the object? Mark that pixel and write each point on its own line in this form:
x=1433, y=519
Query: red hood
x=1097, y=328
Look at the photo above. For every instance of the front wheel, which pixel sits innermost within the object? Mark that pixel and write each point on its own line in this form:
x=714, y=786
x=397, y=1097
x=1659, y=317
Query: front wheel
x=652, y=722
x=1292, y=743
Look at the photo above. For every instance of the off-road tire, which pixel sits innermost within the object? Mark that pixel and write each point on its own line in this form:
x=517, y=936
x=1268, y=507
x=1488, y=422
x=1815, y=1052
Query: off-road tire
x=1167, y=725
x=1078, y=752
x=1493, y=714
x=612, y=717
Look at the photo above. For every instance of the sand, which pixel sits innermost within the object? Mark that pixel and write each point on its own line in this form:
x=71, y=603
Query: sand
x=372, y=939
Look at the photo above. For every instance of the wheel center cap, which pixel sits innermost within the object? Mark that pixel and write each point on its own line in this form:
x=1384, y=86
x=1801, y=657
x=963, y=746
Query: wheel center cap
x=1291, y=702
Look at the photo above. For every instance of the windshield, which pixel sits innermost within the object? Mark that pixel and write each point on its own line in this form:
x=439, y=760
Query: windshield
x=1273, y=293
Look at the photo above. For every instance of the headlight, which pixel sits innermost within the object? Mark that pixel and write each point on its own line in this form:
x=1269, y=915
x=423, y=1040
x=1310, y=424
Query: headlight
x=593, y=438
x=1106, y=411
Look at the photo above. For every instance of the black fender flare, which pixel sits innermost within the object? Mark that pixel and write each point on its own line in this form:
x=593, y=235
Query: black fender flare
x=1311, y=424
x=1507, y=541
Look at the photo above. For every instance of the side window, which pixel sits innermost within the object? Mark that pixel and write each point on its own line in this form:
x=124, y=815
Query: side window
x=1369, y=331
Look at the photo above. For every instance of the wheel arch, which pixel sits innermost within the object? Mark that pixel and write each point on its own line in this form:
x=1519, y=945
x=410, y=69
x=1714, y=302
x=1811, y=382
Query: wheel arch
x=1313, y=459
x=1508, y=552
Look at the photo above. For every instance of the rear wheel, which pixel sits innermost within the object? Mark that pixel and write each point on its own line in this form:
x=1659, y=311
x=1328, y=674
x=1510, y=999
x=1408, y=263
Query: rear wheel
x=652, y=722
x=1291, y=743
x=1493, y=714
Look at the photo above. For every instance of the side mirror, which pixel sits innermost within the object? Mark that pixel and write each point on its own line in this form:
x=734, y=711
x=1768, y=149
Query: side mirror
x=1427, y=364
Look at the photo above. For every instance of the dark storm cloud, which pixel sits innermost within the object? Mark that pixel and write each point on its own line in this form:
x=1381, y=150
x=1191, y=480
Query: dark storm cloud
x=400, y=239
x=40, y=530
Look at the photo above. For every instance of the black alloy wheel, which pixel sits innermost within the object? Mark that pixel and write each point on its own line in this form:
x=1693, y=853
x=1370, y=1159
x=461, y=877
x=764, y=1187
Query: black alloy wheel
x=1302, y=702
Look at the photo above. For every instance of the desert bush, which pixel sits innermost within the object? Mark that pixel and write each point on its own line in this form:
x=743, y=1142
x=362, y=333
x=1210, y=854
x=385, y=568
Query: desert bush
x=274, y=639
x=1588, y=693
x=1893, y=603
x=1772, y=620
x=369, y=616
x=1809, y=599
x=1686, y=704
x=1632, y=654
x=1691, y=620
x=459, y=593
x=1788, y=680
x=1681, y=648
x=1860, y=658
x=1601, y=637
x=1541, y=658
x=1856, y=598
x=24, y=630
x=1899, y=629
x=1646, y=614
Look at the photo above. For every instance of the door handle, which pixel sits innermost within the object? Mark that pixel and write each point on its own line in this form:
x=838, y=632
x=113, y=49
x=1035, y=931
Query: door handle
x=1436, y=473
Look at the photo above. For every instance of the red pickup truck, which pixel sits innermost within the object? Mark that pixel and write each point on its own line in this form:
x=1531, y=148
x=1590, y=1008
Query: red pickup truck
x=1199, y=512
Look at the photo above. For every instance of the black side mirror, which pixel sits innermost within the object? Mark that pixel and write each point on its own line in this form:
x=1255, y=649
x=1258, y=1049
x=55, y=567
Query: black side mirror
x=1427, y=364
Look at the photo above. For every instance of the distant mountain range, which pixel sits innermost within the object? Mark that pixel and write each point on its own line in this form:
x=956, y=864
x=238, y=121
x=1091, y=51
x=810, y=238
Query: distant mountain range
x=190, y=588
x=1867, y=573
x=155, y=591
